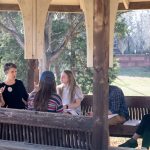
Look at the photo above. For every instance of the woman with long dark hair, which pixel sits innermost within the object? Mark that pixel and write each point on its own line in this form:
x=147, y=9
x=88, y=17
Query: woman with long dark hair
x=70, y=92
x=45, y=98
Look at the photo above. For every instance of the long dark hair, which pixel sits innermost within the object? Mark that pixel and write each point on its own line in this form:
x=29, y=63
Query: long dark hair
x=47, y=87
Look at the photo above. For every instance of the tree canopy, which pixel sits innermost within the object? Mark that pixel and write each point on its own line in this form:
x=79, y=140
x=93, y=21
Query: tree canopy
x=65, y=47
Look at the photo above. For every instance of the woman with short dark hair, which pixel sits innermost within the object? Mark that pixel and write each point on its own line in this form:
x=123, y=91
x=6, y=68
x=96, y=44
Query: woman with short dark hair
x=12, y=91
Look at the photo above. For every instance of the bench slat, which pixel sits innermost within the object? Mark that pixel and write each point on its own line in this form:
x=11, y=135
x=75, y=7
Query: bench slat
x=122, y=130
x=45, y=119
x=138, y=106
x=61, y=130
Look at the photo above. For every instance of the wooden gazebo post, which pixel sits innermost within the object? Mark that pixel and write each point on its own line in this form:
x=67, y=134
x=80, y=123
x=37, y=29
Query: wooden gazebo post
x=101, y=61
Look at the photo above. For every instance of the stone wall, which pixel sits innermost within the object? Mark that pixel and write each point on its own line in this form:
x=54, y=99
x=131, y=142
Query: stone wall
x=134, y=60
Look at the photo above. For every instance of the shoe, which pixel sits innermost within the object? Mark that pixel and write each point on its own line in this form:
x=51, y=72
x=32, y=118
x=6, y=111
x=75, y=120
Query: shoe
x=130, y=143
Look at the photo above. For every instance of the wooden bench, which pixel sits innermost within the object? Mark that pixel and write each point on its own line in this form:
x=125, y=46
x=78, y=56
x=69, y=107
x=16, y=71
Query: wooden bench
x=62, y=130
x=138, y=106
x=46, y=128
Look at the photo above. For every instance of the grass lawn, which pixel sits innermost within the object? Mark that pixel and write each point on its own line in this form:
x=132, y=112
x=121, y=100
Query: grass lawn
x=134, y=81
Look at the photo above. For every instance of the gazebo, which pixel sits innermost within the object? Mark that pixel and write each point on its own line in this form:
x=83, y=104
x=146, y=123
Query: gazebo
x=100, y=21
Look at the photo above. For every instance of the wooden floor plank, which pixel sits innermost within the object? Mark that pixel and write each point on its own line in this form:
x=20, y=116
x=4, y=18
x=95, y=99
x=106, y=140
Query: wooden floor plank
x=11, y=145
x=121, y=148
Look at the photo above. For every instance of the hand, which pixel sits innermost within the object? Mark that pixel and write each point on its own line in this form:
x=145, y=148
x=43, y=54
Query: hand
x=89, y=114
x=2, y=102
x=2, y=90
x=109, y=112
x=65, y=107
x=36, y=87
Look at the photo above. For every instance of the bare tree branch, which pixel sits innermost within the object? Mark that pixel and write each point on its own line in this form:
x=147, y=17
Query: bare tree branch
x=10, y=21
x=70, y=34
x=11, y=29
x=14, y=34
x=48, y=32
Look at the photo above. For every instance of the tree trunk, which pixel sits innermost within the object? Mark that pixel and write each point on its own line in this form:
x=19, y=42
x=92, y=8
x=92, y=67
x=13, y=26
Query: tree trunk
x=48, y=40
x=57, y=72
x=33, y=74
x=101, y=61
x=43, y=64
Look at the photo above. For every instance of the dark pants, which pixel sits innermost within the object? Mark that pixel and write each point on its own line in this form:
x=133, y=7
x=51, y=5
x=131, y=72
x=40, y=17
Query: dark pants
x=144, y=130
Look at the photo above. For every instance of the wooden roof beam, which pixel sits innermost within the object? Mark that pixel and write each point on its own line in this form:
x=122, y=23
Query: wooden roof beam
x=65, y=8
x=75, y=8
x=34, y=14
x=112, y=20
x=52, y=8
x=87, y=7
x=9, y=7
x=135, y=6
x=126, y=4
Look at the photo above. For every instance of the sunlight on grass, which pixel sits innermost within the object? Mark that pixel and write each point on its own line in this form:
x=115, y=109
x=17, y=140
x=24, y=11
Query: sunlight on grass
x=115, y=141
x=134, y=81
x=133, y=86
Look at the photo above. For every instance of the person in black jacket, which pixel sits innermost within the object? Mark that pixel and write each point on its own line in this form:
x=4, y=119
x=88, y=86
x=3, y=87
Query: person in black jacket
x=143, y=131
x=12, y=91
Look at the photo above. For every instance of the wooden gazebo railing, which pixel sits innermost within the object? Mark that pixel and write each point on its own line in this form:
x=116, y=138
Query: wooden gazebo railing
x=46, y=128
x=100, y=20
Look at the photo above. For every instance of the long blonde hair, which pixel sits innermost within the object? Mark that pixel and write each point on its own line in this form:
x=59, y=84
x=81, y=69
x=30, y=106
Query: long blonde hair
x=72, y=85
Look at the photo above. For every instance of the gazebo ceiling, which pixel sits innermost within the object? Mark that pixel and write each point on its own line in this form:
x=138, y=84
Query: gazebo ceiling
x=53, y=2
x=67, y=2
x=74, y=5
x=34, y=17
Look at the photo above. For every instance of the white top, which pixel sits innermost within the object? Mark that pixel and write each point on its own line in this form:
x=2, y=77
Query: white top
x=66, y=98
x=65, y=95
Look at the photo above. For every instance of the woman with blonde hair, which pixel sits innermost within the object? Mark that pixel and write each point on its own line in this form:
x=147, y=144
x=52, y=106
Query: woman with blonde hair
x=70, y=92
